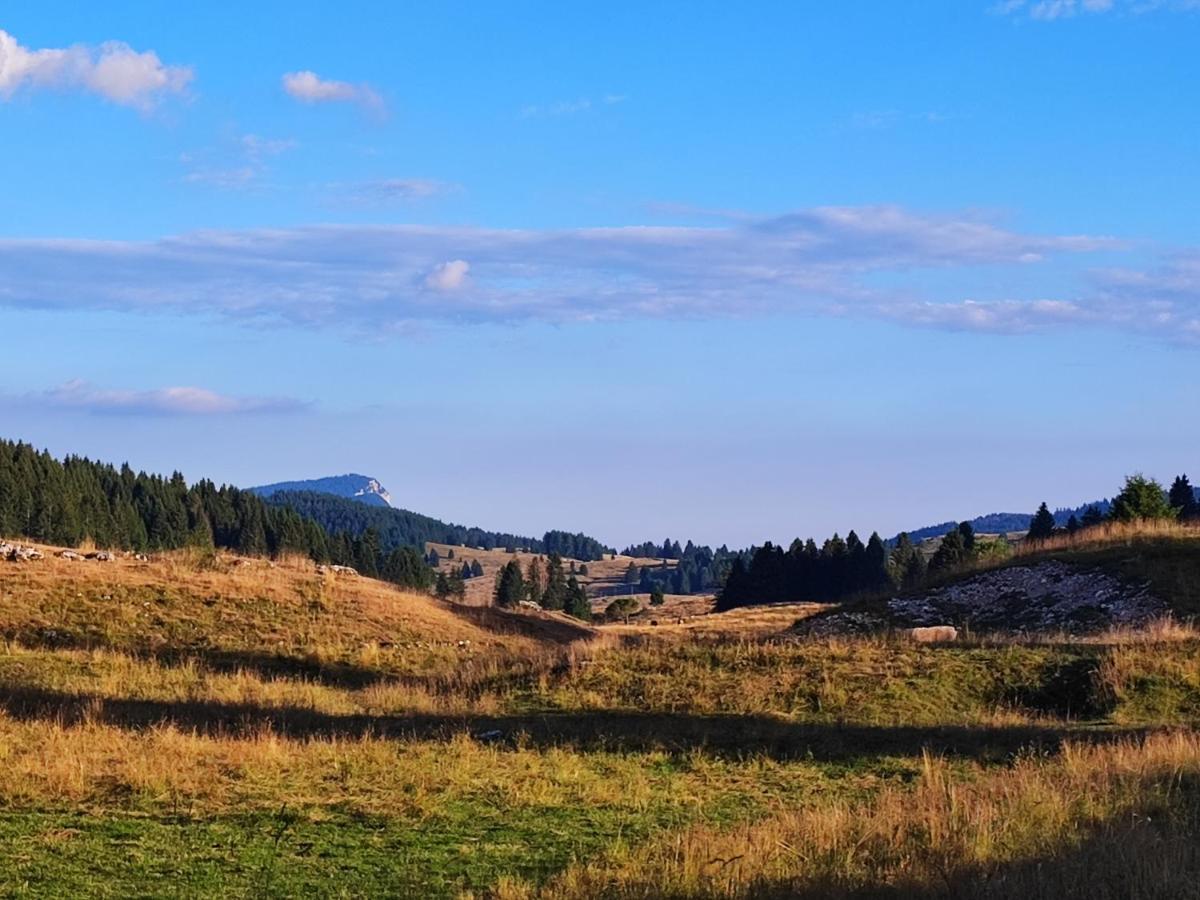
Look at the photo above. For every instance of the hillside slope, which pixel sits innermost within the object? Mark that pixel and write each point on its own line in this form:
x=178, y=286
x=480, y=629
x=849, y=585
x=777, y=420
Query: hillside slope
x=241, y=613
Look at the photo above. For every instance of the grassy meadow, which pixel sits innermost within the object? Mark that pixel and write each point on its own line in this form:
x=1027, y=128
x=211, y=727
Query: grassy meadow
x=199, y=725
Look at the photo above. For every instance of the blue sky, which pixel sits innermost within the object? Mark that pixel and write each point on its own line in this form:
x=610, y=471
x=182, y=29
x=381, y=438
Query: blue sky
x=728, y=274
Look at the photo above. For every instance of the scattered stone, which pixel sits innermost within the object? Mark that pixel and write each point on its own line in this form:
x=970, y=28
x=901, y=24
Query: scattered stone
x=934, y=634
x=842, y=623
x=141, y=557
x=70, y=554
x=101, y=556
x=18, y=553
x=1045, y=596
x=344, y=570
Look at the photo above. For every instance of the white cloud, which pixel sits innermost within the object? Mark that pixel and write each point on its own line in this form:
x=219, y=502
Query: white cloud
x=384, y=279
x=113, y=70
x=1051, y=10
x=448, y=276
x=172, y=401
x=308, y=87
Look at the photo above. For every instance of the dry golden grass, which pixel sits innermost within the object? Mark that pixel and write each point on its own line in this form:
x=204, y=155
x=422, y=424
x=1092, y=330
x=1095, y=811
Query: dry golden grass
x=252, y=612
x=1090, y=822
x=698, y=620
x=1107, y=534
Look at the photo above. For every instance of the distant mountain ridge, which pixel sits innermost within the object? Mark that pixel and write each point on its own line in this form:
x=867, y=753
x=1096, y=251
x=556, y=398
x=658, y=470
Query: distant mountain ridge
x=362, y=488
x=1002, y=523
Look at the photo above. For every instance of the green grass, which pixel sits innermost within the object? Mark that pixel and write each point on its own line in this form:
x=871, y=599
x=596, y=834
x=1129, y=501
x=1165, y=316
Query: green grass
x=379, y=778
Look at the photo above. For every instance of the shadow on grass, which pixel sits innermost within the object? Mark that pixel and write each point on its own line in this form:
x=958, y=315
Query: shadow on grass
x=723, y=735
x=555, y=632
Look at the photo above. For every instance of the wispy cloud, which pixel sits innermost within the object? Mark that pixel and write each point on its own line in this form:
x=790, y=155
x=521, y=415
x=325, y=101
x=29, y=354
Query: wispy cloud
x=386, y=279
x=1051, y=10
x=170, y=401
x=391, y=190
x=308, y=87
x=237, y=164
x=113, y=70
x=569, y=107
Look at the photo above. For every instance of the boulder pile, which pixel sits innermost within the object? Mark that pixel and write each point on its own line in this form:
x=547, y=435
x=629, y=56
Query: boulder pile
x=18, y=553
x=1047, y=596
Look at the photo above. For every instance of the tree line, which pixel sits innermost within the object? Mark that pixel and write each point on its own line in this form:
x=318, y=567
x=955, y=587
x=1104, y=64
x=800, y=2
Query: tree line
x=843, y=568
x=69, y=501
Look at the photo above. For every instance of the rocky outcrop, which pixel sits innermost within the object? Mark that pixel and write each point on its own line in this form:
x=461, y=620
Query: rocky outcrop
x=1045, y=596
x=18, y=553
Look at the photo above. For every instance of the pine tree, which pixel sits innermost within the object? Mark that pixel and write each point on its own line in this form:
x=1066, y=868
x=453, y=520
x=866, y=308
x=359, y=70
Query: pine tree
x=1072, y=524
x=555, y=594
x=533, y=581
x=967, y=530
x=1042, y=525
x=442, y=589
x=656, y=596
x=476, y=568
x=1141, y=498
x=510, y=585
x=577, y=600
x=950, y=553
x=1092, y=516
x=1183, y=498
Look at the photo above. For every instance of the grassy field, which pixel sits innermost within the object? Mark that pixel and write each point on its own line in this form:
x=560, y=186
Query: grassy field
x=198, y=725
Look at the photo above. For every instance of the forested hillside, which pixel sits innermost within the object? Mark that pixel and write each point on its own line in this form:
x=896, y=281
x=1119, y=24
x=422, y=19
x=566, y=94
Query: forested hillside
x=76, y=499
x=402, y=528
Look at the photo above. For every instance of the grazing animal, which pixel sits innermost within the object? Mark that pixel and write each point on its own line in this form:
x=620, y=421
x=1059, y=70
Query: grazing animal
x=934, y=634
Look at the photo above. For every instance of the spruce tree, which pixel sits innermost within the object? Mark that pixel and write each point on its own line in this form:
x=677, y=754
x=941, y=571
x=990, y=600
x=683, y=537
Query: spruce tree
x=510, y=585
x=1042, y=525
x=555, y=594
x=533, y=580
x=950, y=554
x=577, y=600
x=1183, y=498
